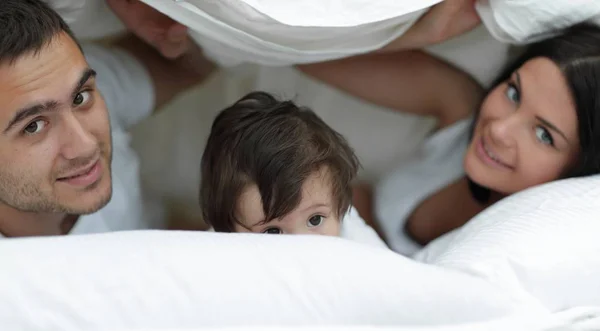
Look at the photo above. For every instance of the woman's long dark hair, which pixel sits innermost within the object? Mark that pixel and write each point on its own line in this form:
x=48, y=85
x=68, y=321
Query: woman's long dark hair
x=577, y=53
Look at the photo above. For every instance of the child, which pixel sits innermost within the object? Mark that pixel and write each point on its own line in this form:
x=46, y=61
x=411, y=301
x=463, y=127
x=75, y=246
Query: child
x=272, y=167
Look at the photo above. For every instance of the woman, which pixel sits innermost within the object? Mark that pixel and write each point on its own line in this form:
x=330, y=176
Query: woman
x=540, y=122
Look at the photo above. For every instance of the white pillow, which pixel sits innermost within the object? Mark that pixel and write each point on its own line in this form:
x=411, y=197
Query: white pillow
x=542, y=243
x=579, y=319
x=162, y=279
x=275, y=32
x=522, y=22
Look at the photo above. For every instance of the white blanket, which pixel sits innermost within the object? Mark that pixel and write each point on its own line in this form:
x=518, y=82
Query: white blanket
x=289, y=32
x=522, y=22
x=161, y=279
x=275, y=32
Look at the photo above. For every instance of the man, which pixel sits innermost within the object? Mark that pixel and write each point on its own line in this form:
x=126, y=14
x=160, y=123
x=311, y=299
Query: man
x=65, y=163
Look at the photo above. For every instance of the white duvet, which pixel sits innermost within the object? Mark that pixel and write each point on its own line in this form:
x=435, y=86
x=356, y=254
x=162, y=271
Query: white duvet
x=275, y=32
x=529, y=262
x=161, y=279
x=284, y=32
x=529, y=265
x=288, y=32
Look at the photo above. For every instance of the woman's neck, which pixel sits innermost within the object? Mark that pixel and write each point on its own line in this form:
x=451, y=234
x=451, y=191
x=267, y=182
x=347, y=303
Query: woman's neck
x=484, y=195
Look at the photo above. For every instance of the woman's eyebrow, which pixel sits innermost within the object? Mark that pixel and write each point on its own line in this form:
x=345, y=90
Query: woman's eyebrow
x=552, y=127
x=540, y=119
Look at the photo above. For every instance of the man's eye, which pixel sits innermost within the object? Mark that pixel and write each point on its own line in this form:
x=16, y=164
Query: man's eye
x=35, y=127
x=82, y=98
x=272, y=231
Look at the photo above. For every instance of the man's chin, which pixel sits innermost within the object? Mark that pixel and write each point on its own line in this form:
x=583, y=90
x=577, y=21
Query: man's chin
x=90, y=205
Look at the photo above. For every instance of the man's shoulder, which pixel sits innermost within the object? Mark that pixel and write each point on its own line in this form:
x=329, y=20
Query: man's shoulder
x=124, y=83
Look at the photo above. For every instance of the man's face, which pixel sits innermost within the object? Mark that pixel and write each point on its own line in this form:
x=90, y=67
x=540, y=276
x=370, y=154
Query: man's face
x=55, y=143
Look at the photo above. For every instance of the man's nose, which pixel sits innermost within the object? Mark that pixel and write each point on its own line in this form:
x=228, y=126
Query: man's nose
x=78, y=142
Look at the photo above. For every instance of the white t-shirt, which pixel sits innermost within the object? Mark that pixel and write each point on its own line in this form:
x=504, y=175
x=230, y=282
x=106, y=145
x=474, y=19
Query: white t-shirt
x=438, y=163
x=129, y=95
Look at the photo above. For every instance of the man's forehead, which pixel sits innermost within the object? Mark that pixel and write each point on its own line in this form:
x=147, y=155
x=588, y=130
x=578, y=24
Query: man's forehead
x=47, y=74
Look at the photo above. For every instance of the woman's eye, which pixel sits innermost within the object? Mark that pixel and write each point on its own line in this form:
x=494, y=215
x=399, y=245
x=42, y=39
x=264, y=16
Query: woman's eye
x=315, y=221
x=82, y=98
x=35, y=127
x=272, y=231
x=544, y=136
x=512, y=93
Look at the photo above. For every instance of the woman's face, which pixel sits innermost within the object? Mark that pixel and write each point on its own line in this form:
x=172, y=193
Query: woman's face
x=526, y=133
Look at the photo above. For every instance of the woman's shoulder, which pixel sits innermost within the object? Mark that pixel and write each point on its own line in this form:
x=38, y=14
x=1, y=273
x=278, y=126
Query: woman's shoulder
x=435, y=166
x=452, y=137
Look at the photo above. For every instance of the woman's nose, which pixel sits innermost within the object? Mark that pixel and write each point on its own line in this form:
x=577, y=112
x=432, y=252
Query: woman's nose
x=502, y=130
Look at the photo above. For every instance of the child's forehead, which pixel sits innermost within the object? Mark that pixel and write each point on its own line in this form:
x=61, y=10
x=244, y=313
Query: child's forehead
x=318, y=186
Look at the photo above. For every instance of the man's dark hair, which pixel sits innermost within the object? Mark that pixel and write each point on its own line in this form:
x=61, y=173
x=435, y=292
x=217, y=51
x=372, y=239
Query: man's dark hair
x=275, y=145
x=26, y=26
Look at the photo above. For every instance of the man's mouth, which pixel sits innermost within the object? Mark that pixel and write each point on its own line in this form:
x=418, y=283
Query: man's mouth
x=84, y=176
x=80, y=172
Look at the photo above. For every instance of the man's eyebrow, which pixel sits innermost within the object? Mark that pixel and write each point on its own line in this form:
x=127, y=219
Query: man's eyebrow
x=27, y=112
x=87, y=74
x=47, y=106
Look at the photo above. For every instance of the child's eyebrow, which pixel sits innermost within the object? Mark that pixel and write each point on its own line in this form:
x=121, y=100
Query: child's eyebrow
x=263, y=222
x=245, y=227
x=259, y=223
x=316, y=205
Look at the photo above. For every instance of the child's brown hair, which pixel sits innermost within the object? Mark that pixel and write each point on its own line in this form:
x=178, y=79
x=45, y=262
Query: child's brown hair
x=275, y=145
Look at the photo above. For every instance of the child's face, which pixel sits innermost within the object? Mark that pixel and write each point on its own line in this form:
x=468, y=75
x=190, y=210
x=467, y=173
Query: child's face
x=314, y=214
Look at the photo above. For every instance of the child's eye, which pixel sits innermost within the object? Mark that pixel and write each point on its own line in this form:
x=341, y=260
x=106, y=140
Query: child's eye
x=315, y=221
x=272, y=231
